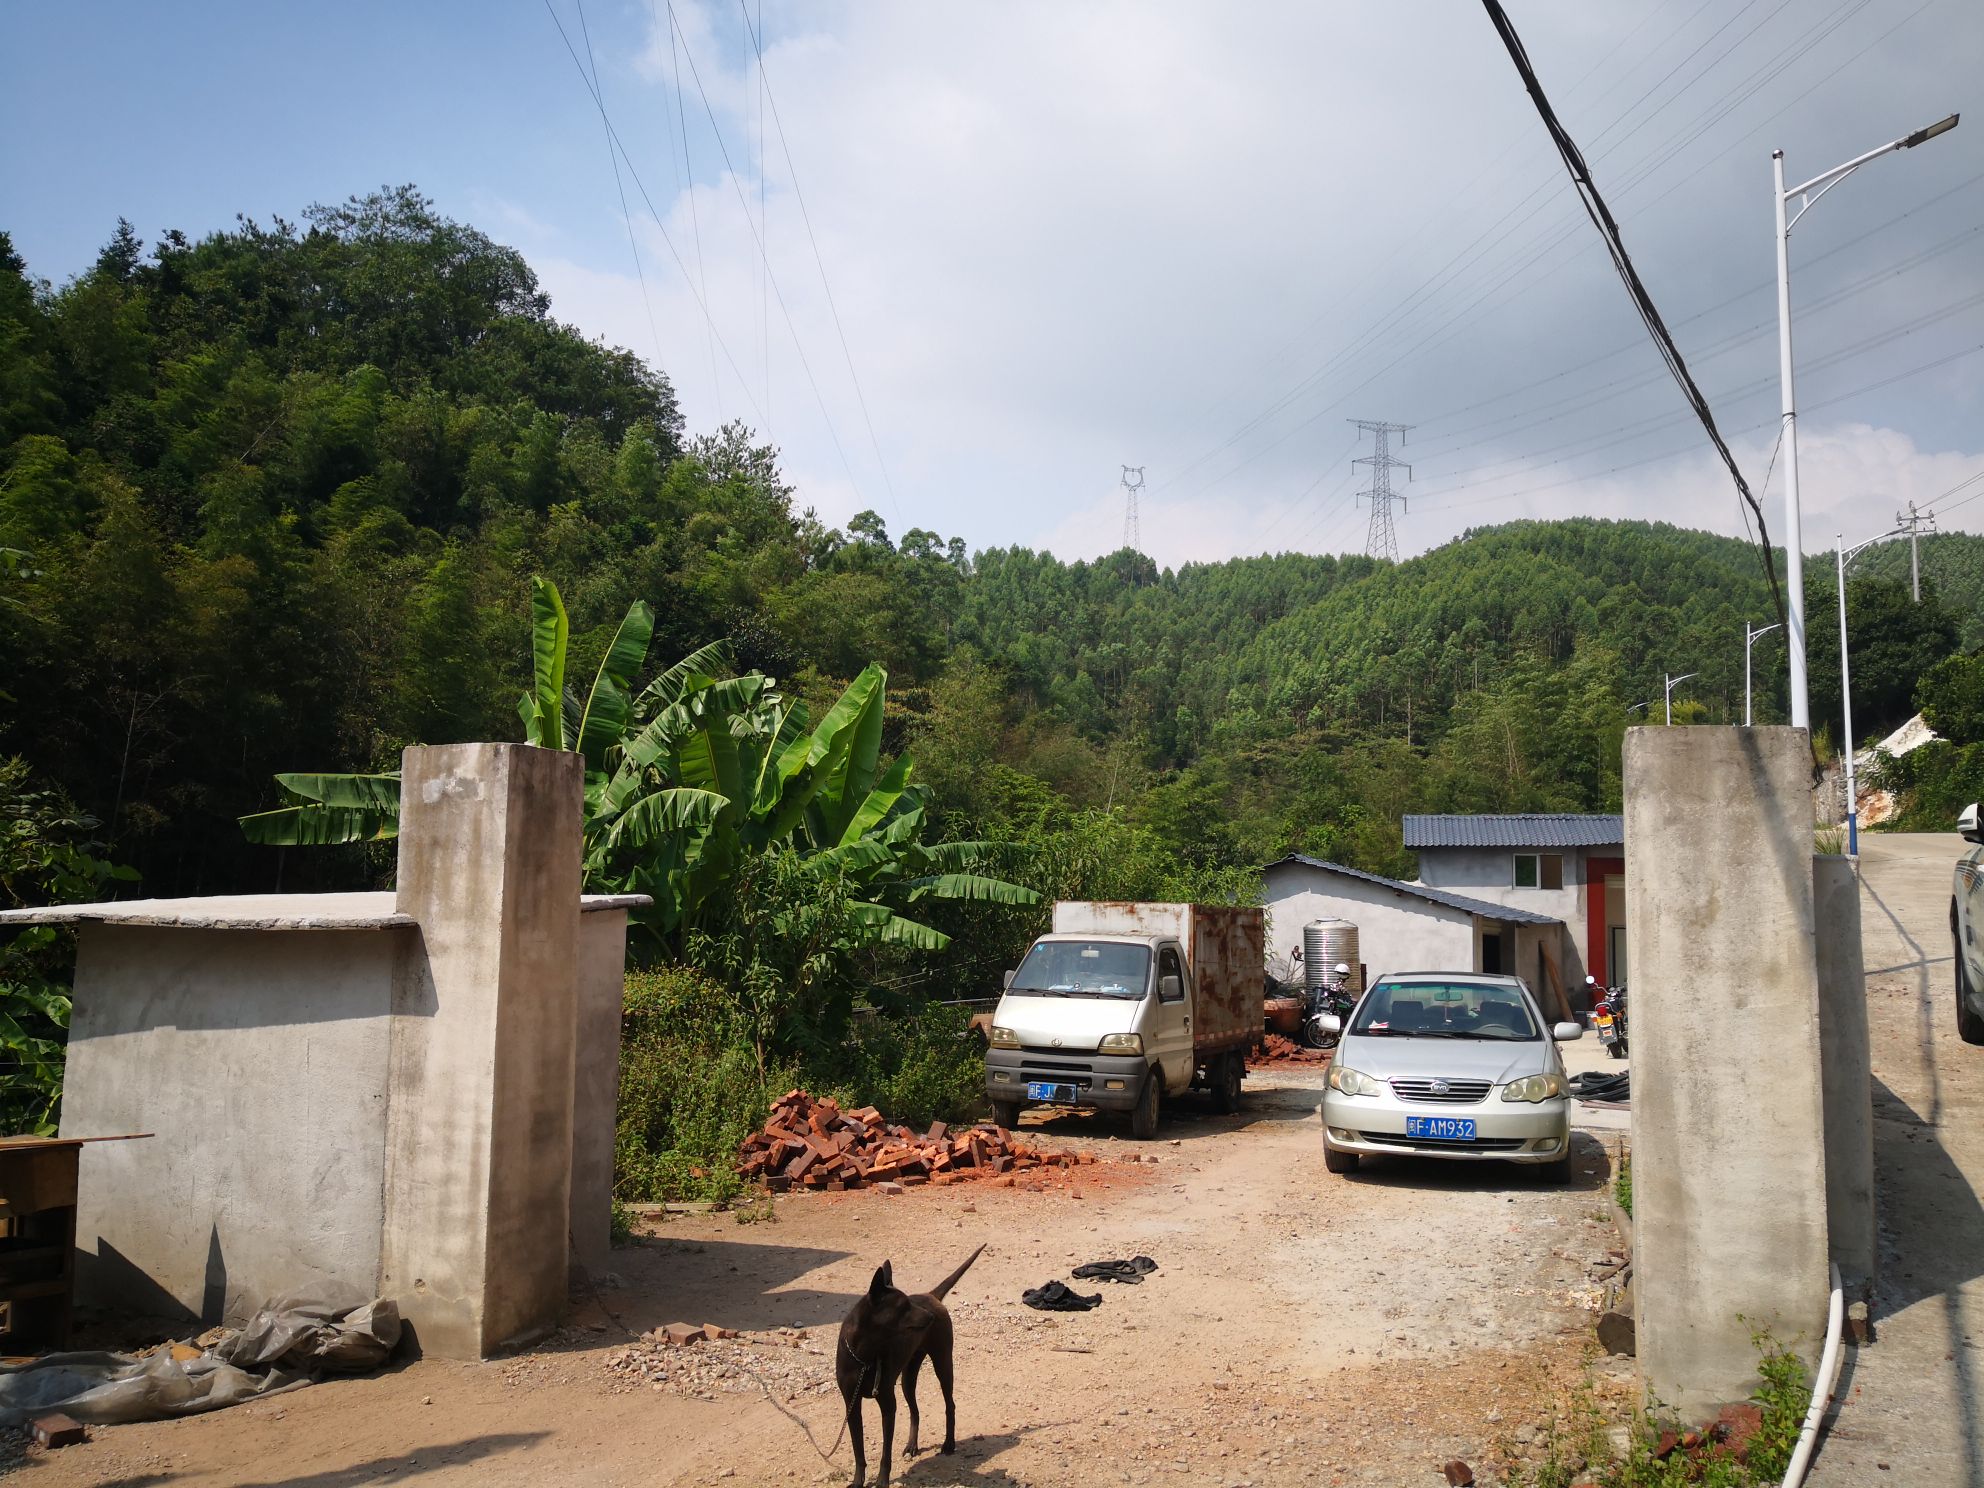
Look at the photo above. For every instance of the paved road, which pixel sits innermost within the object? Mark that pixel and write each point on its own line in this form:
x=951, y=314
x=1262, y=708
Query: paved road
x=1914, y=1407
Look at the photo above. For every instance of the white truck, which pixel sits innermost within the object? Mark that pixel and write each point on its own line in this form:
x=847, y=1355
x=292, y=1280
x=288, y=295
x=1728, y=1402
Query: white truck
x=1967, y=928
x=1123, y=1005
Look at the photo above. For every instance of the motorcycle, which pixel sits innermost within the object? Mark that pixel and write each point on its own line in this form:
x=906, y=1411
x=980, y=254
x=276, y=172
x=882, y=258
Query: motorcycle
x=1333, y=999
x=1608, y=1016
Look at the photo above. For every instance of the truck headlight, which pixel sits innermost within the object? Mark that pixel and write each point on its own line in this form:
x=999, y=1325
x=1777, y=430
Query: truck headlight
x=1004, y=1038
x=1120, y=1043
x=1534, y=1088
x=1352, y=1082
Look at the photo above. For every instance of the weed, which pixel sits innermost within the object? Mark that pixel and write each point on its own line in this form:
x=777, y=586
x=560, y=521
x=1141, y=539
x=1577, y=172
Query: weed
x=1622, y=1186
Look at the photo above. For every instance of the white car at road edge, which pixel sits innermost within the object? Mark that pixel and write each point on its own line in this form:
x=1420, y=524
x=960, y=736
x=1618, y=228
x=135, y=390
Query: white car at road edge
x=1967, y=929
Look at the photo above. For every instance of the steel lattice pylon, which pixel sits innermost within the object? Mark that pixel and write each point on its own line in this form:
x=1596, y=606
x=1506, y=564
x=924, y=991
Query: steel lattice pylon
x=1382, y=541
x=1133, y=482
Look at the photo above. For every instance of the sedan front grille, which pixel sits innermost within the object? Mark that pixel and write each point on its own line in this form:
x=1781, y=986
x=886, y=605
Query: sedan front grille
x=1471, y=1144
x=1442, y=1092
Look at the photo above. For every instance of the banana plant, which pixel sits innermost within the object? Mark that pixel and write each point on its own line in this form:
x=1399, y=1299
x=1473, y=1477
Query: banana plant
x=686, y=778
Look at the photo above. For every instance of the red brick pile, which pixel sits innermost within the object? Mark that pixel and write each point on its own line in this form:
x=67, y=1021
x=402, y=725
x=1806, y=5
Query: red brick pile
x=811, y=1143
x=1274, y=1049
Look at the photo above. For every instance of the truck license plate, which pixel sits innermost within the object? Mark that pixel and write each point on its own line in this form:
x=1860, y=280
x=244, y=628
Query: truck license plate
x=1440, y=1128
x=1041, y=1090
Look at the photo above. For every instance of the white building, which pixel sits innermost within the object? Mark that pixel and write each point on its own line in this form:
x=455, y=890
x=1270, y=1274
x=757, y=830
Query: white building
x=1571, y=867
x=1412, y=927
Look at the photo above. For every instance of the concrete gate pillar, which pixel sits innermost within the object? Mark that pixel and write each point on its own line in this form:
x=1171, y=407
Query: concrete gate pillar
x=1729, y=1160
x=479, y=1136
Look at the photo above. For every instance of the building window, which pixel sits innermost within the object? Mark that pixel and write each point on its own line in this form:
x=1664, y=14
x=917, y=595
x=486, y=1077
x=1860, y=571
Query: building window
x=1539, y=871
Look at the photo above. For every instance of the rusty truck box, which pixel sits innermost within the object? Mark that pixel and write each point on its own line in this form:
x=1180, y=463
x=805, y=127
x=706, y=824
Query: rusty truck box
x=1226, y=945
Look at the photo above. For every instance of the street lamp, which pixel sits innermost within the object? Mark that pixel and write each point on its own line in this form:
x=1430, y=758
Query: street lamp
x=1750, y=638
x=1672, y=683
x=1846, y=556
x=1794, y=556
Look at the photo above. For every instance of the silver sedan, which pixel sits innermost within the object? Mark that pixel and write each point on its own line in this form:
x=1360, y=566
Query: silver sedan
x=1444, y=1064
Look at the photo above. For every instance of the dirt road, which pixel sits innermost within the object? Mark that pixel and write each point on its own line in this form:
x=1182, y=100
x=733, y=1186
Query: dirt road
x=1304, y=1329
x=1913, y=1409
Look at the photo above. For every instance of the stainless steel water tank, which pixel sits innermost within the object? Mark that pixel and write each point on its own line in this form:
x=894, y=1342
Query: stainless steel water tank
x=1326, y=943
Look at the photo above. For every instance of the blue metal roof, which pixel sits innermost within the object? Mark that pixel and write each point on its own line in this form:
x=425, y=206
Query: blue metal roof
x=1535, y=829
x=1483, y=907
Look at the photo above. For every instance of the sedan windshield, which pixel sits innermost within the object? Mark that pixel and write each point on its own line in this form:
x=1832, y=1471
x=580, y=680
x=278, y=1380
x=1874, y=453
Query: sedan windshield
x=1084, y=968
x=1436, y=1009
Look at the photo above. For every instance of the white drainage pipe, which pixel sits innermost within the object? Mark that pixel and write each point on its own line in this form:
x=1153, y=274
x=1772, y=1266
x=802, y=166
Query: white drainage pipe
x=1822, y=1388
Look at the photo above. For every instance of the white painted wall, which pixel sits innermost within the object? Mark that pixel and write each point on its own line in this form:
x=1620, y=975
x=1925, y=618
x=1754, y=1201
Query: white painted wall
x=1395, y=932
x=260, y=1059
x=1489, y=873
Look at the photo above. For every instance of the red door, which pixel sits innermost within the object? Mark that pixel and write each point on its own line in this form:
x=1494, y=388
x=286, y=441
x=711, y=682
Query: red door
x=1595, y=870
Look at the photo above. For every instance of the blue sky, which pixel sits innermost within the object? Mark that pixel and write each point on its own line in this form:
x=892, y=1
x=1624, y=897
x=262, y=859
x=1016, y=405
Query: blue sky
x=1062, y=237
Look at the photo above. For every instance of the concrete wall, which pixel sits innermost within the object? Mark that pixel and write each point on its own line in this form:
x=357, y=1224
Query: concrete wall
x=1395, y=932
x=259, y=1059
x=1729, y=1169
x=596, y=1083
x=1847, y=1063
x=1488, y=873
x=479, y=1134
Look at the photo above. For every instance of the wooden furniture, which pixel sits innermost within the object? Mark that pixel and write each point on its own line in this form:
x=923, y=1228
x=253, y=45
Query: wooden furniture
x=38, y=1240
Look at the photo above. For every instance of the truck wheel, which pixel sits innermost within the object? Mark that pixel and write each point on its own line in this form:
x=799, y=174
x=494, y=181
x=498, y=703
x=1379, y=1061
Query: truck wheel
x=1226, y=1083
x=1339, y=1162
x=1006, y=1114
x=1143, y=1120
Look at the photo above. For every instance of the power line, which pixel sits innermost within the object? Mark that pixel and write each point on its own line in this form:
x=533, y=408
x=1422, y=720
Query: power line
x=1601, y=216
x=695, y=218
x=647, y=201
x=613, y=156
x=765, y=257
x=792, y=171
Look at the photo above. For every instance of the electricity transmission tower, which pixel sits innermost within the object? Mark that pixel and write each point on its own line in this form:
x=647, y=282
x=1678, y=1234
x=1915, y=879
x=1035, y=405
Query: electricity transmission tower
x=1911, y=522
x=1133, y=482
x=1383, y=539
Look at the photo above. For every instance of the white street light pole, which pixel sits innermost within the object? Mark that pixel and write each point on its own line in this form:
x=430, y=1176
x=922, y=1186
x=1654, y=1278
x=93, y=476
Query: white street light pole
x=1846, y=556
x=1794, y=553
x=1750, y=639
x=1672, y=683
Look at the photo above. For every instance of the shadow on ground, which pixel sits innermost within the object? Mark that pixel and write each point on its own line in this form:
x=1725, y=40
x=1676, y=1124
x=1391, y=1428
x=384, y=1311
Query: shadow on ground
x=737, y=1284
x=1591, y=1171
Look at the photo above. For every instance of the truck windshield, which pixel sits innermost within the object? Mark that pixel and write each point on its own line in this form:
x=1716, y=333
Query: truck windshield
x=1084, y=968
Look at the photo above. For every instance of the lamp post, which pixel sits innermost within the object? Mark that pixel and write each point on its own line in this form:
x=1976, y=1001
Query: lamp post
x=1750, y=638
x=1672, y=683
x=1794, y=556
x=1846, y=556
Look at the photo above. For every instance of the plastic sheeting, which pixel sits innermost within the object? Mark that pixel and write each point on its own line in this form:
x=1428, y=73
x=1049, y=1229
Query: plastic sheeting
x=288, y=1343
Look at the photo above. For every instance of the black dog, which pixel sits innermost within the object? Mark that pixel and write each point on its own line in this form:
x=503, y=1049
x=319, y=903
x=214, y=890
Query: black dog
x=886, y=1338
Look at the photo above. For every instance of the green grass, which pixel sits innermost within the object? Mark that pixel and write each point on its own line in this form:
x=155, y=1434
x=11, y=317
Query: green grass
x=1622, y=1186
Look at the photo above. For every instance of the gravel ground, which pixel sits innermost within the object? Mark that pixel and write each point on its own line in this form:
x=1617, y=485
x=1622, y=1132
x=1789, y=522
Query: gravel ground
x=1304, y=1328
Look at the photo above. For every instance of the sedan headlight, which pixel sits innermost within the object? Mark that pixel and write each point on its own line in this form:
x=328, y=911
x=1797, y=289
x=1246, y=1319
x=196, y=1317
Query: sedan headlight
x=1121, y=1043
x=1004, y=1038
x=1352, y=1082
x=1534, y=1088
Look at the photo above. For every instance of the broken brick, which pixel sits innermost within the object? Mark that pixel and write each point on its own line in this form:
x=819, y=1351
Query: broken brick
x=57, y=1430
x=1459, y=1474
x=681, y=1335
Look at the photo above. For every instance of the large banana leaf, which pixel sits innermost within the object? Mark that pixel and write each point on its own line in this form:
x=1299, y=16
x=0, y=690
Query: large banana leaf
x=543, y=708
x=705, y=662
x=610, y=703
x=848, y=744
x=891, y=928
x=970, y=886
x=662, y=814
x=329, y=810
x=882, y=800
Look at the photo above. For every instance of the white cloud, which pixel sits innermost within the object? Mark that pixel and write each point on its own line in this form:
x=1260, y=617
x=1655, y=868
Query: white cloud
x=1061, y=238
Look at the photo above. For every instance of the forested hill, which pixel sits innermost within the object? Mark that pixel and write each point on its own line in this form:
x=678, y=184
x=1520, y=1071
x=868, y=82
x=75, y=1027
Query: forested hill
x=271, y=500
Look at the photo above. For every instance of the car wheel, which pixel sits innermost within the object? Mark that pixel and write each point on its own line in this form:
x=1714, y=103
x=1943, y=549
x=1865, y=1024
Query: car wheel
x=1339, y=1162
x=1226, y=1085
x=1556, y=1174
x=1969, y=1027
x=1143, y=1120
x=1006, y=1114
